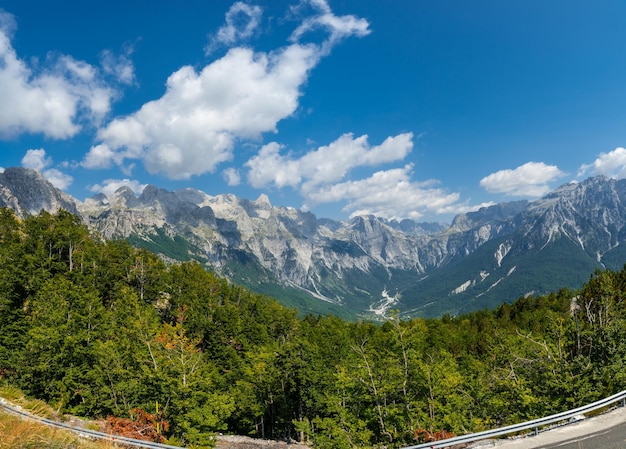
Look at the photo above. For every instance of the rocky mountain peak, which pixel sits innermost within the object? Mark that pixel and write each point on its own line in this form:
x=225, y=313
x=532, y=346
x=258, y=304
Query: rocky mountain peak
x=497, y=213
x=99, y=198
x=367, y=262
x=124, y=197
x=259, y=208
x=263, y=201
x=194, y=196
x=27, y=192
x=149, y=193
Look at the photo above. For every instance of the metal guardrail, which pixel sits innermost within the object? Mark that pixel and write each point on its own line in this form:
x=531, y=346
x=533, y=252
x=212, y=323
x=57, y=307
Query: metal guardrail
x=82, y=432
x=470, y=438
x=529, y=425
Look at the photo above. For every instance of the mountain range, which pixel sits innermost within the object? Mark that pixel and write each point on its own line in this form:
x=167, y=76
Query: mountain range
x=368, y=266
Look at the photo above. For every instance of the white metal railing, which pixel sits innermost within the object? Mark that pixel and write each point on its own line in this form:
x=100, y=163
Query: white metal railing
x=82, y=432
x=529, y=425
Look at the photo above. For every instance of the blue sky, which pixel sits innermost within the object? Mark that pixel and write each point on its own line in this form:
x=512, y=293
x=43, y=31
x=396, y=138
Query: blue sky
x=406, y=109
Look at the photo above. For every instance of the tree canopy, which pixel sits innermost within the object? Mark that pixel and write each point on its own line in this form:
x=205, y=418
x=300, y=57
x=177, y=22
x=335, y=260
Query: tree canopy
x=99, y=328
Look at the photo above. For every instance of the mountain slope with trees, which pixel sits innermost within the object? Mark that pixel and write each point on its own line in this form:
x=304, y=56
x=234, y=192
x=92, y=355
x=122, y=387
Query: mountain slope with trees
x=98, y=328
x=368, y=266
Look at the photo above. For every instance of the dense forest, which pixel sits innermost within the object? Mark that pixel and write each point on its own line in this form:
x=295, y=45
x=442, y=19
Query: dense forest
x=98, y=328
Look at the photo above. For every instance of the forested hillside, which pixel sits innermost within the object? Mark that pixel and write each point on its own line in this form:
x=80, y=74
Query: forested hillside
x=98, y=328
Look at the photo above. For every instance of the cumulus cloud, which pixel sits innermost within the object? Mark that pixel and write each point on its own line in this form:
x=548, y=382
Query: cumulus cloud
x=193, y=127
x=530, y=179
x=120, y=67
x=612, y=165
x=320, y=177
x=57, y=178
x=38, y=160
x=388, y=193
x=270, y=167
x=241, y=22
x=109, y=186
x=232, y=176
x=100, y=156
x=327, y=164
x=57, y=100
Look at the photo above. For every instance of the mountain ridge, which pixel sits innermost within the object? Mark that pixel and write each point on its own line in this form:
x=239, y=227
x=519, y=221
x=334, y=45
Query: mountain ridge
x=366, y=266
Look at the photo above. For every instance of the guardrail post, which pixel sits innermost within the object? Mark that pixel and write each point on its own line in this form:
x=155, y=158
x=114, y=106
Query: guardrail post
x=536, y=431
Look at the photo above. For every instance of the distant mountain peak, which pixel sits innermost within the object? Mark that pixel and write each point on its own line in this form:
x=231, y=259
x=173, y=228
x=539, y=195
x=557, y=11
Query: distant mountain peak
x=27, y=192
x=124, y=196
x=263, y=199
x=366, y=264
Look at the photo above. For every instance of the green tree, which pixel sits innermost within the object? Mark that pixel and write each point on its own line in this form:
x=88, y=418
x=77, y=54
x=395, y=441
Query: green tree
x=65, y=321
x=196, y=408
x=127, y=369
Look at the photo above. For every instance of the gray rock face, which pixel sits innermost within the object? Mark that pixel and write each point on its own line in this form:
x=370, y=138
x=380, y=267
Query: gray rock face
x=367, y=264
x=592, y=214
x=27, y=192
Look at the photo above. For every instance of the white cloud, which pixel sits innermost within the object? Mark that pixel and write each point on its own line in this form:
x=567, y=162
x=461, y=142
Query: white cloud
x=109, y=186
x=193, y=127
x=530, y=179
x=320, y=175
x=232, y=176
x=463, y=208
x=338, y=27
x=99, y=156
x=268, y=167
x=388, y=193
x=241, y=22
x=57, y=178
x=120, y=67
x=326, y=164
x=55, y=100
x=612, y=165
x=37, y=160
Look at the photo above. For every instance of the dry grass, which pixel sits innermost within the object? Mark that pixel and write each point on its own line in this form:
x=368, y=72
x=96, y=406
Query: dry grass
x=34, y=406
x=18, y=433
